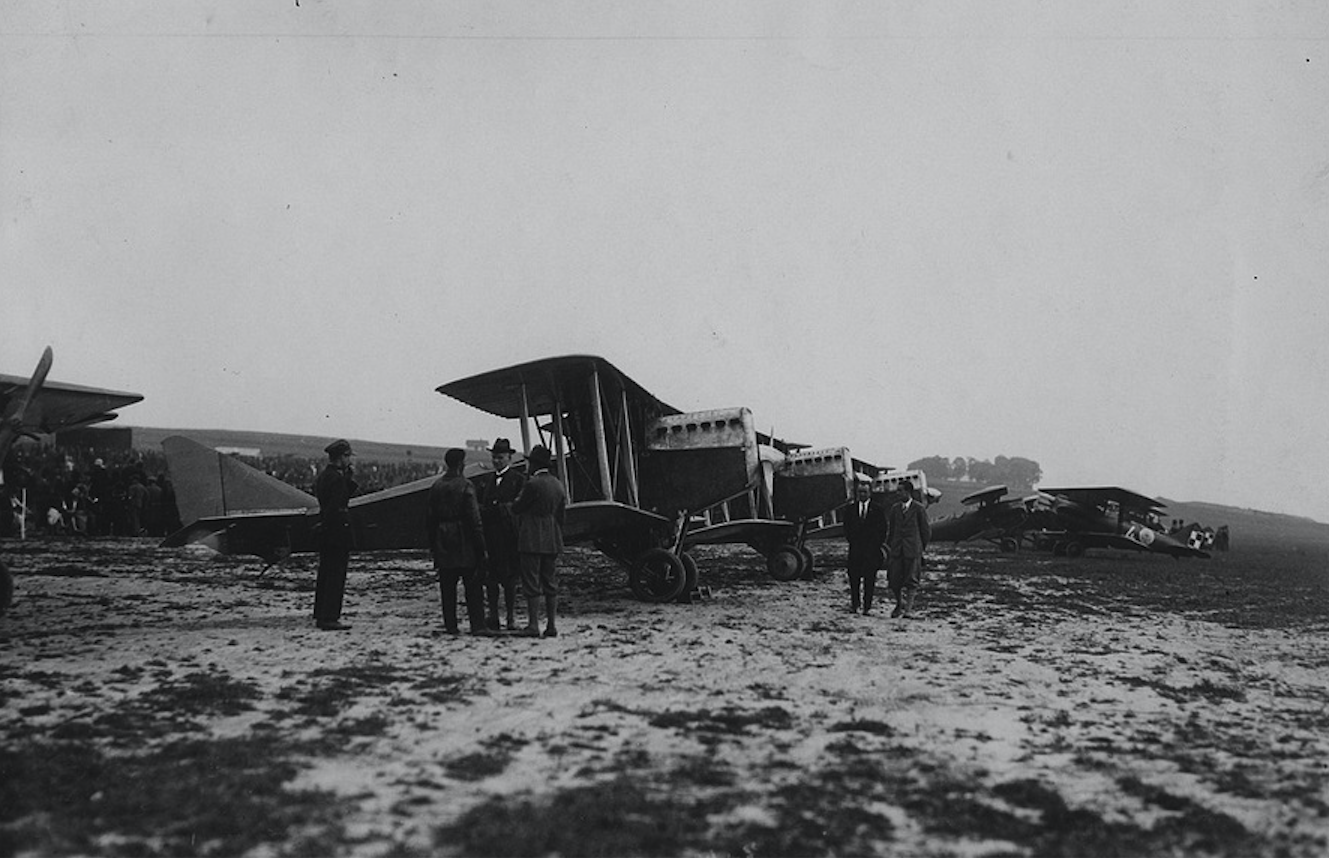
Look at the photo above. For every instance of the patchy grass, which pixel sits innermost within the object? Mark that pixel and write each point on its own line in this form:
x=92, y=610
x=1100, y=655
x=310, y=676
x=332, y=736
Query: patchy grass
x=730, y=720
x=220, y=797
x=615, y=818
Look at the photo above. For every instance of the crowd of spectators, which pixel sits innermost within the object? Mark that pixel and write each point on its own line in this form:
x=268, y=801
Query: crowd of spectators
x=65, y=489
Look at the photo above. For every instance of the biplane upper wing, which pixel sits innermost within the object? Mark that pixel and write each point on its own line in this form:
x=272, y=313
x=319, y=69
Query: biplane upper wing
x=990, y=495
x=1098, y=495
x=546, y=383
x=53, y=406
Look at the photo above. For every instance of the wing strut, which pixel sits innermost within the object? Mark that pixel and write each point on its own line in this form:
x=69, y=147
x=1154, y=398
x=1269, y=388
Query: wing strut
x=626, y=432
x=560, y=448
x=601, y=445
x=525, y=422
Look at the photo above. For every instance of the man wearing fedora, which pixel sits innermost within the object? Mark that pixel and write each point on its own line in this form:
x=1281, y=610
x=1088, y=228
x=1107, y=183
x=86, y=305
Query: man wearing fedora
x=334, y=487
x=496, y=490
x=540, y=509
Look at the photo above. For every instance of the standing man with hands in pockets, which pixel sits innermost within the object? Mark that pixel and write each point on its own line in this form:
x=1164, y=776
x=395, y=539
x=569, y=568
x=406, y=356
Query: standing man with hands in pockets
x=908, y=535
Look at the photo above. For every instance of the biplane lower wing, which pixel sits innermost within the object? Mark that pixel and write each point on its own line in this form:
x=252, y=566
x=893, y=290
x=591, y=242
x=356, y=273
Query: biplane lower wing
x=591, y=519
x=757, y=532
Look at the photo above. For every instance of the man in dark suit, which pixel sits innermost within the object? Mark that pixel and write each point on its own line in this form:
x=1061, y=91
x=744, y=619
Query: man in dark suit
x=457, y=541
x=865, y=531
x=540, y=509
x=907, y=538
x=334, y=487
x=496, y=490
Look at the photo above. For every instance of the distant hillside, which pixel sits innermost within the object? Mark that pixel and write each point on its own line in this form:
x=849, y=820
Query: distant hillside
x=277, y=444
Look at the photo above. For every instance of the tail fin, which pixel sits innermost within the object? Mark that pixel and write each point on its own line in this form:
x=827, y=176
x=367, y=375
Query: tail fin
x=210, y=484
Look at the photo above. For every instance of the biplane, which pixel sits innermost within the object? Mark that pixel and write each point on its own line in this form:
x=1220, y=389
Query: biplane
x=647, y=482
x=32, y=406
x=1105, y=517
x=992, y=517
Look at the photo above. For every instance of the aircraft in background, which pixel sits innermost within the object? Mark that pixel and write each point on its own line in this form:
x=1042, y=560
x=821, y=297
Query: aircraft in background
x=646, y=482
x=993, y=518
x=32, y=406
x=1105, y=517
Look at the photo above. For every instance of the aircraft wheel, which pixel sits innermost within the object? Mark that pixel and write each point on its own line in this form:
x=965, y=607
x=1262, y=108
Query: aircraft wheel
x=809, y=562
x=1074, y=549
x=1058, y=549
x=785, y=563
x=6, y=588
x=1010, y=546
x=690, y=576
x=657, y=576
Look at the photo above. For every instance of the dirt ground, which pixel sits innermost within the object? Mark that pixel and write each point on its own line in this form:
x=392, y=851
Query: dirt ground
x=176, y=703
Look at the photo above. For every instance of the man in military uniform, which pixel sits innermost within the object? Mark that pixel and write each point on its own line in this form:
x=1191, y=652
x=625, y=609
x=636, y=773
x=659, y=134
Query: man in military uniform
x=334, y=487
x=496, y=490
x=457, y=542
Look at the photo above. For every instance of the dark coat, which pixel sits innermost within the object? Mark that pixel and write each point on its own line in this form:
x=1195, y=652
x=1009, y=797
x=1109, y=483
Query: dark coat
x=452, y=521
x=334, y=488
x=540, y=509
x=865, y=535
x=908, y=530
x=495, y=497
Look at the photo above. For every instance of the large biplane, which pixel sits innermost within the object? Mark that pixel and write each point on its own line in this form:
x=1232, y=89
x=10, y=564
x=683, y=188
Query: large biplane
x=32, y=407
x=647, y=482
x=1105, y=517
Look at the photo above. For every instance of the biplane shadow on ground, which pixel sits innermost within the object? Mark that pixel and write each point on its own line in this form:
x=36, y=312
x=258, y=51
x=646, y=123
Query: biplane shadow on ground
x=32, y=406
x=1077, y=519
x=647, y=482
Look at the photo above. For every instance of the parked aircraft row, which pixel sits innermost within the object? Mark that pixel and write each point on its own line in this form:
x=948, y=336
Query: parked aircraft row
x=1068, y=521
x=647, y=482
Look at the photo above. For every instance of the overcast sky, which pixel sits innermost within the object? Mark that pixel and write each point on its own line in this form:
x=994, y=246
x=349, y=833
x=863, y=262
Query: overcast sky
x=1091, y=234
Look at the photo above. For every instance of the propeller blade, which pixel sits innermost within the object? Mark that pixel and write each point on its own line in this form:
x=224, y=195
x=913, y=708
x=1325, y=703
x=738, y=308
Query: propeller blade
x=34, y=384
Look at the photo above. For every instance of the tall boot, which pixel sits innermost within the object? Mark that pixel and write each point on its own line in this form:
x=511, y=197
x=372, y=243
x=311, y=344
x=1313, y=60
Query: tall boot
x=491, y=605
x=899, y=603
x=908, y=603
x=551, y=608
x=509, y=597
x=532, y=629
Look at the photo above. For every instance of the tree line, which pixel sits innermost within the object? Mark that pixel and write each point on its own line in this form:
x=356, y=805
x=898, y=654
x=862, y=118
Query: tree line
x=1014, y=471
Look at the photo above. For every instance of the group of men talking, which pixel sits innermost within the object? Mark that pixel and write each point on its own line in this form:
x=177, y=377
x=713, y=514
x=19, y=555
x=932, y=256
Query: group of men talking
x=892, y=531
x=489, y=534
x=505, y=527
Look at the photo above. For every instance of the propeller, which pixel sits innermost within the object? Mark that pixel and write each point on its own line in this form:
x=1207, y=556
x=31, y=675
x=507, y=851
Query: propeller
x=13, y=426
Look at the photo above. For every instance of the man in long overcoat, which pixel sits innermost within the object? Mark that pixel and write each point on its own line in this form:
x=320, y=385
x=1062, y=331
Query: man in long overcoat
x=496, y=490
x=334, y=487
